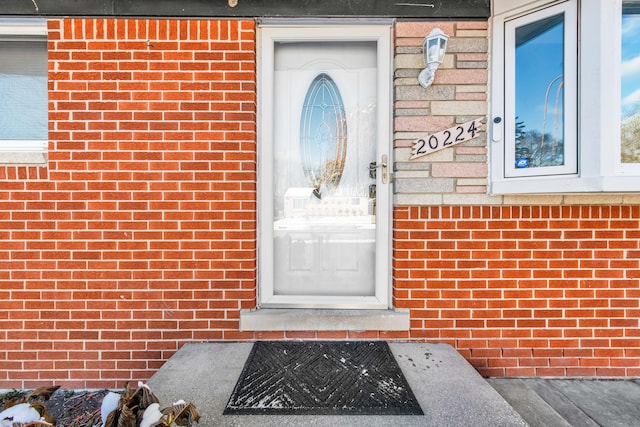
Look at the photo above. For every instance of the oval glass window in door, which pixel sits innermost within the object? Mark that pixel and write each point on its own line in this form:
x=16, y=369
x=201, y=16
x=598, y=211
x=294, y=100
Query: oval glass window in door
x=323, y=135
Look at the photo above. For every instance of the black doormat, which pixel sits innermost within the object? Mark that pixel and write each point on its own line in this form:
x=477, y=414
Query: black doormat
x=322, y=378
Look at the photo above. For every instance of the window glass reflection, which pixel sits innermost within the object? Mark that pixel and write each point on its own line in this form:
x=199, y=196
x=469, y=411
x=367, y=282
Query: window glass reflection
x=323, y=135
x=23, y=90
x=630, y=90
x=539, y=65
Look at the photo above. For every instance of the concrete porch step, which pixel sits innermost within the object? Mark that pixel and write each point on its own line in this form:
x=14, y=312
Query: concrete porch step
x=449, y=390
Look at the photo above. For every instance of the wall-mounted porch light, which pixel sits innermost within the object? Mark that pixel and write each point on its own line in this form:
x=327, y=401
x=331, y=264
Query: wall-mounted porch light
x=433, y=49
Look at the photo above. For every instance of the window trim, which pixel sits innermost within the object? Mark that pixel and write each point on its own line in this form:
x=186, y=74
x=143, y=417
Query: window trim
x=23, y=145
x=23, y=27
x=599, y=166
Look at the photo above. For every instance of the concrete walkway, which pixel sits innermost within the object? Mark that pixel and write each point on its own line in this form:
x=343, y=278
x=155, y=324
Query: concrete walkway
x=573, y=402
x=449, y=390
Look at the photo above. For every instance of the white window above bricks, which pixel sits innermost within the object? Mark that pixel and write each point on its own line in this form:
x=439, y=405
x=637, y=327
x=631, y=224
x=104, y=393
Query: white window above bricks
x=565, y=97
x=23, y=91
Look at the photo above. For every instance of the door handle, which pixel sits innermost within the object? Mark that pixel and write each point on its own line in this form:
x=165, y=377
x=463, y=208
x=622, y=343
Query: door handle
x=373, y=166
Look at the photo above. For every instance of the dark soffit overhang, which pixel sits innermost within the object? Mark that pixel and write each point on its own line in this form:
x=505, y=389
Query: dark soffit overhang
x=426, y=9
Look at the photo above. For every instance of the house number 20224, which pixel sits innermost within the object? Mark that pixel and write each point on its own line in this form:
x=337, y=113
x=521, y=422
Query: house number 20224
x=446, y=138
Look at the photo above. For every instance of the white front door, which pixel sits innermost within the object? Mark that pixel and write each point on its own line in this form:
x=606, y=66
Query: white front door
x=324, y=167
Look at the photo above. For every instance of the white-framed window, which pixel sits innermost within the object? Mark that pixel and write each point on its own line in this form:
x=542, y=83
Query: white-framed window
x=23, y=90
x=630, y=87
x=565, y=96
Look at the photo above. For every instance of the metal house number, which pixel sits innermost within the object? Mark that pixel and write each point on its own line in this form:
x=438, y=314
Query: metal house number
x=446, y=138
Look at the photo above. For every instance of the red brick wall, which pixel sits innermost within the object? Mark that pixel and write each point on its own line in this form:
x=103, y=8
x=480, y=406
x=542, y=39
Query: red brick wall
x=524, y=290
x=140, y=234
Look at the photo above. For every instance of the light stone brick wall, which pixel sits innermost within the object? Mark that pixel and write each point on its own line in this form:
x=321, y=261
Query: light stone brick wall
x=458, y=174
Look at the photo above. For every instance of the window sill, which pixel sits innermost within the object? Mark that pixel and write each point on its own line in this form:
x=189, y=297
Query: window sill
x=566, y=185
x=271, y=319
x=27, y=158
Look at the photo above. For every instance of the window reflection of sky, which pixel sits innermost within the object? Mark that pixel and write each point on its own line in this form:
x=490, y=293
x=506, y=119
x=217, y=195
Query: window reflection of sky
x=630, y=63
x=23, y=107
x=539, y=60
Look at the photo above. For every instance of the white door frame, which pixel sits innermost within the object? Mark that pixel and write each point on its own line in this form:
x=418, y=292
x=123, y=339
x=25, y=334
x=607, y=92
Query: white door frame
x=267, y=36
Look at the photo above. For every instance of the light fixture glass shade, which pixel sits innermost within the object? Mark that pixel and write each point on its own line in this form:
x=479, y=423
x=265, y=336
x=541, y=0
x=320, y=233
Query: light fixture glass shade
x=434, y=47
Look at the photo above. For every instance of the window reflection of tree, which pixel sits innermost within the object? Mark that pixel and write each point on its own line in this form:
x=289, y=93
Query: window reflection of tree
x=630, y=133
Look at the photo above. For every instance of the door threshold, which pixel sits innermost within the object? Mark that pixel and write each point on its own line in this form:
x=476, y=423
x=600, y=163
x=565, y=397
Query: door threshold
x=308, y=319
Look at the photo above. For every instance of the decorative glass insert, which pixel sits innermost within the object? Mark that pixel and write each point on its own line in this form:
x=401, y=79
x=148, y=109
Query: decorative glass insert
x=539, y=93
x=630, y=90
x=23, y=88
x=323, y=135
